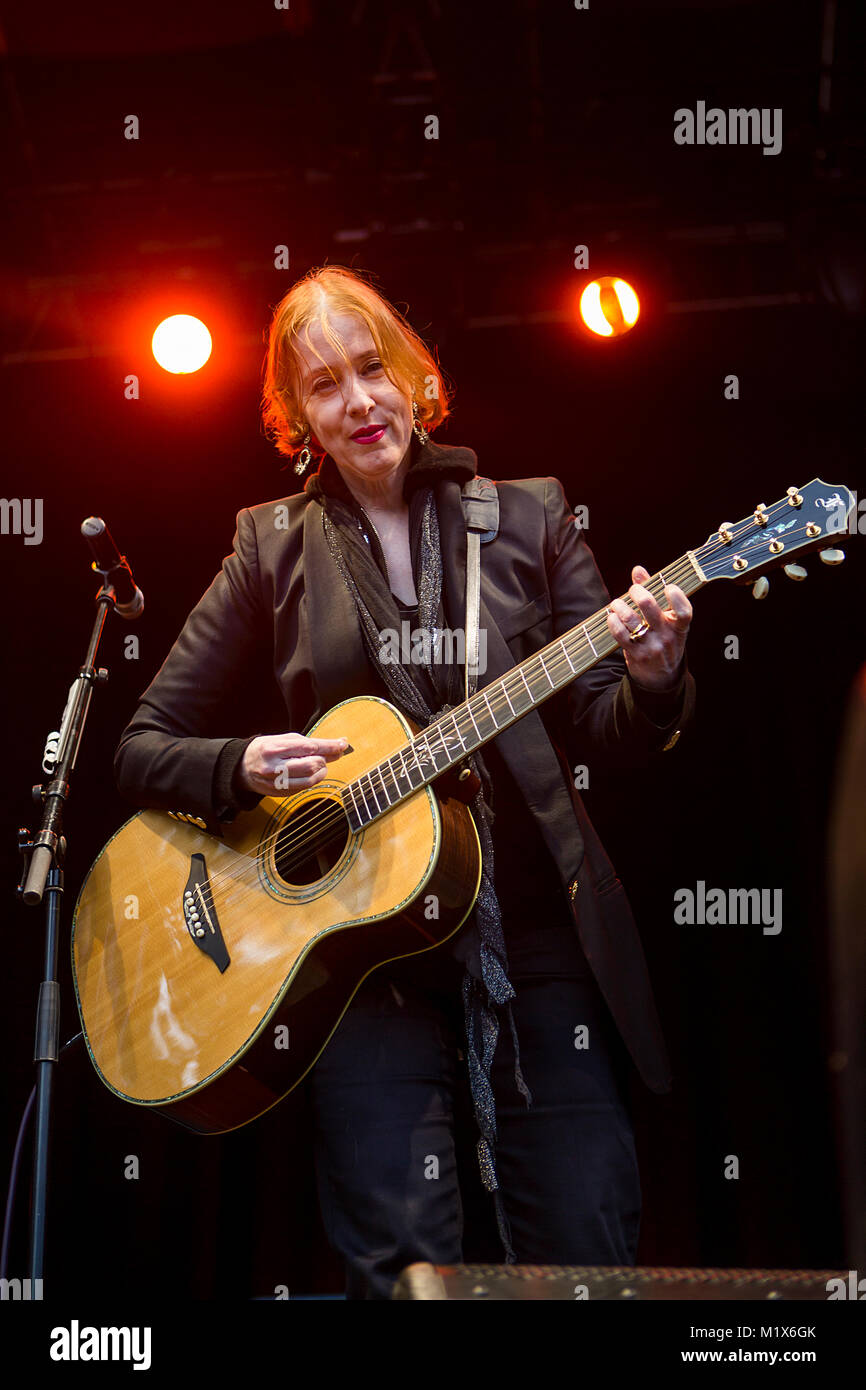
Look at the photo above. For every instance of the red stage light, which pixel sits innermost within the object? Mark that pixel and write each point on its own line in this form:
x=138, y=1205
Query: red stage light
x=182, y=344
x=609, y=306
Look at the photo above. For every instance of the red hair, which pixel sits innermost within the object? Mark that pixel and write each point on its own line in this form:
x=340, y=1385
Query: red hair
x=334, y=290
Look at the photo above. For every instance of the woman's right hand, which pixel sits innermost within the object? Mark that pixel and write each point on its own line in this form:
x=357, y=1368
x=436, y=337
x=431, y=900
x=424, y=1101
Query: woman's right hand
x=277, y=764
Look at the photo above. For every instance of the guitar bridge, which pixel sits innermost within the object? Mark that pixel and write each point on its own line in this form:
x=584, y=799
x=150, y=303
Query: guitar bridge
x=200, y=914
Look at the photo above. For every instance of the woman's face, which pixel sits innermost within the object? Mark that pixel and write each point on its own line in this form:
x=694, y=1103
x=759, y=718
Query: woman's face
x=357, y=415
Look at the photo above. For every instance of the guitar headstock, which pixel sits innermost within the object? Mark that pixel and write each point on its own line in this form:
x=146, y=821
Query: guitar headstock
x=814, y=517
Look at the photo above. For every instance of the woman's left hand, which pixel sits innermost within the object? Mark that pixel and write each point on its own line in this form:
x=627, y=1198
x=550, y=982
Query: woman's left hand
x=652, y=658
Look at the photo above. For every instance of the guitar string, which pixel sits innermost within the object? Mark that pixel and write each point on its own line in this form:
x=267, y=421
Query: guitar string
x=424, y=736
x=333, y=816
x=677, y=570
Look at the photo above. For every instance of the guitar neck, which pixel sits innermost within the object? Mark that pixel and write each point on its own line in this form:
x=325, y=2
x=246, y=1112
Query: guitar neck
x=466, y=728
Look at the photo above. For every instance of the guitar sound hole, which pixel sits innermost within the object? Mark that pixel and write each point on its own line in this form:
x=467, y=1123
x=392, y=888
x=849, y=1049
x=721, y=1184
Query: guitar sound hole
x=311, y=841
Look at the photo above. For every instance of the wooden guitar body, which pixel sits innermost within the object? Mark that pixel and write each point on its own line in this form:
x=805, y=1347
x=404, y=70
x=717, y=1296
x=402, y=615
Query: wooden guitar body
x=211, y=1007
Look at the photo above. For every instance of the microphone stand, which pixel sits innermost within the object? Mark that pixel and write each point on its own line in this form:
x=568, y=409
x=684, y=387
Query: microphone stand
x=42, y=880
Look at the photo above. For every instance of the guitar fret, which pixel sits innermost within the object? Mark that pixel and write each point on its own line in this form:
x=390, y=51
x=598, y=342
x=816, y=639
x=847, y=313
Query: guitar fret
x=431, y=752
x=585, y=631
x=424, y=754
x=374, y=772
x=656, y=588
x=457, y=731
x=528, y=691
x=466, y=748
x=348, y=791
x=445, y=747
x=504, y=689
x=373, y=793
x=520, y=711
x=562, y=653
x=384, y=787
x=403, y=771
x=546, y=672
x=487, y=703
x=358, y=784
x=472, y=717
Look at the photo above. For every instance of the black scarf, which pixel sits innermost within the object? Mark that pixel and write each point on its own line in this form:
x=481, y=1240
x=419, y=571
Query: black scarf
x=423, y=692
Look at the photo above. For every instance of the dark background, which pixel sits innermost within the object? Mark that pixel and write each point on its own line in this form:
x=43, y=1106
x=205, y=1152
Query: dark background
x=261, y=127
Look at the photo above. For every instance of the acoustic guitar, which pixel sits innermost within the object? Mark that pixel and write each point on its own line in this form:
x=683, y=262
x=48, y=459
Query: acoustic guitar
x=211, y=972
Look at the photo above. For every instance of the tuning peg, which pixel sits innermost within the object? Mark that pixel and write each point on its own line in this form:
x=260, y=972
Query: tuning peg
x=795, y=571
x=831, y=557
x=761, y=587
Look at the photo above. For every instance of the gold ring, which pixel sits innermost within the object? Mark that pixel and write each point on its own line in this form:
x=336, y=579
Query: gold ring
x=639, y=631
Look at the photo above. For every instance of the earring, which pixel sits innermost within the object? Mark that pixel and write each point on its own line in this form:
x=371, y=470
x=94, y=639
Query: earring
x=304, y=457
x=417, y=427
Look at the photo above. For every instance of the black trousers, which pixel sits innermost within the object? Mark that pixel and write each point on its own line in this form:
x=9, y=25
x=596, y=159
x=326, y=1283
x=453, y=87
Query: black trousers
x=395, y=1131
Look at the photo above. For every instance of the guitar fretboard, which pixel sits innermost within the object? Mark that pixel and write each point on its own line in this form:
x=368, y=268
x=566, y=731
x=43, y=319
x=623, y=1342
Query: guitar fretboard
x=457, y=734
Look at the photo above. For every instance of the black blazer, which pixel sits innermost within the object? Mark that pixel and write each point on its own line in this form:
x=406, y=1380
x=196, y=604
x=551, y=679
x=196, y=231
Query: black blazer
x=274, y=644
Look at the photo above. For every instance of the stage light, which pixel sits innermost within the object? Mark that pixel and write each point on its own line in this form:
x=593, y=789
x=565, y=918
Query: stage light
x=181, y=344
x=609, y=306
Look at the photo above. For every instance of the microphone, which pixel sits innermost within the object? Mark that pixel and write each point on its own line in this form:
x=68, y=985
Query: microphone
x=114, y=568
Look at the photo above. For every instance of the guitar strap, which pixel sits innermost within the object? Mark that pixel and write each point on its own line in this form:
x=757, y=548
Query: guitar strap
x=481, y=514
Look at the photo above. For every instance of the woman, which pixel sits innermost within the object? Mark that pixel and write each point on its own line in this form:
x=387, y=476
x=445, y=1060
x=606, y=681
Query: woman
x=299, y=610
